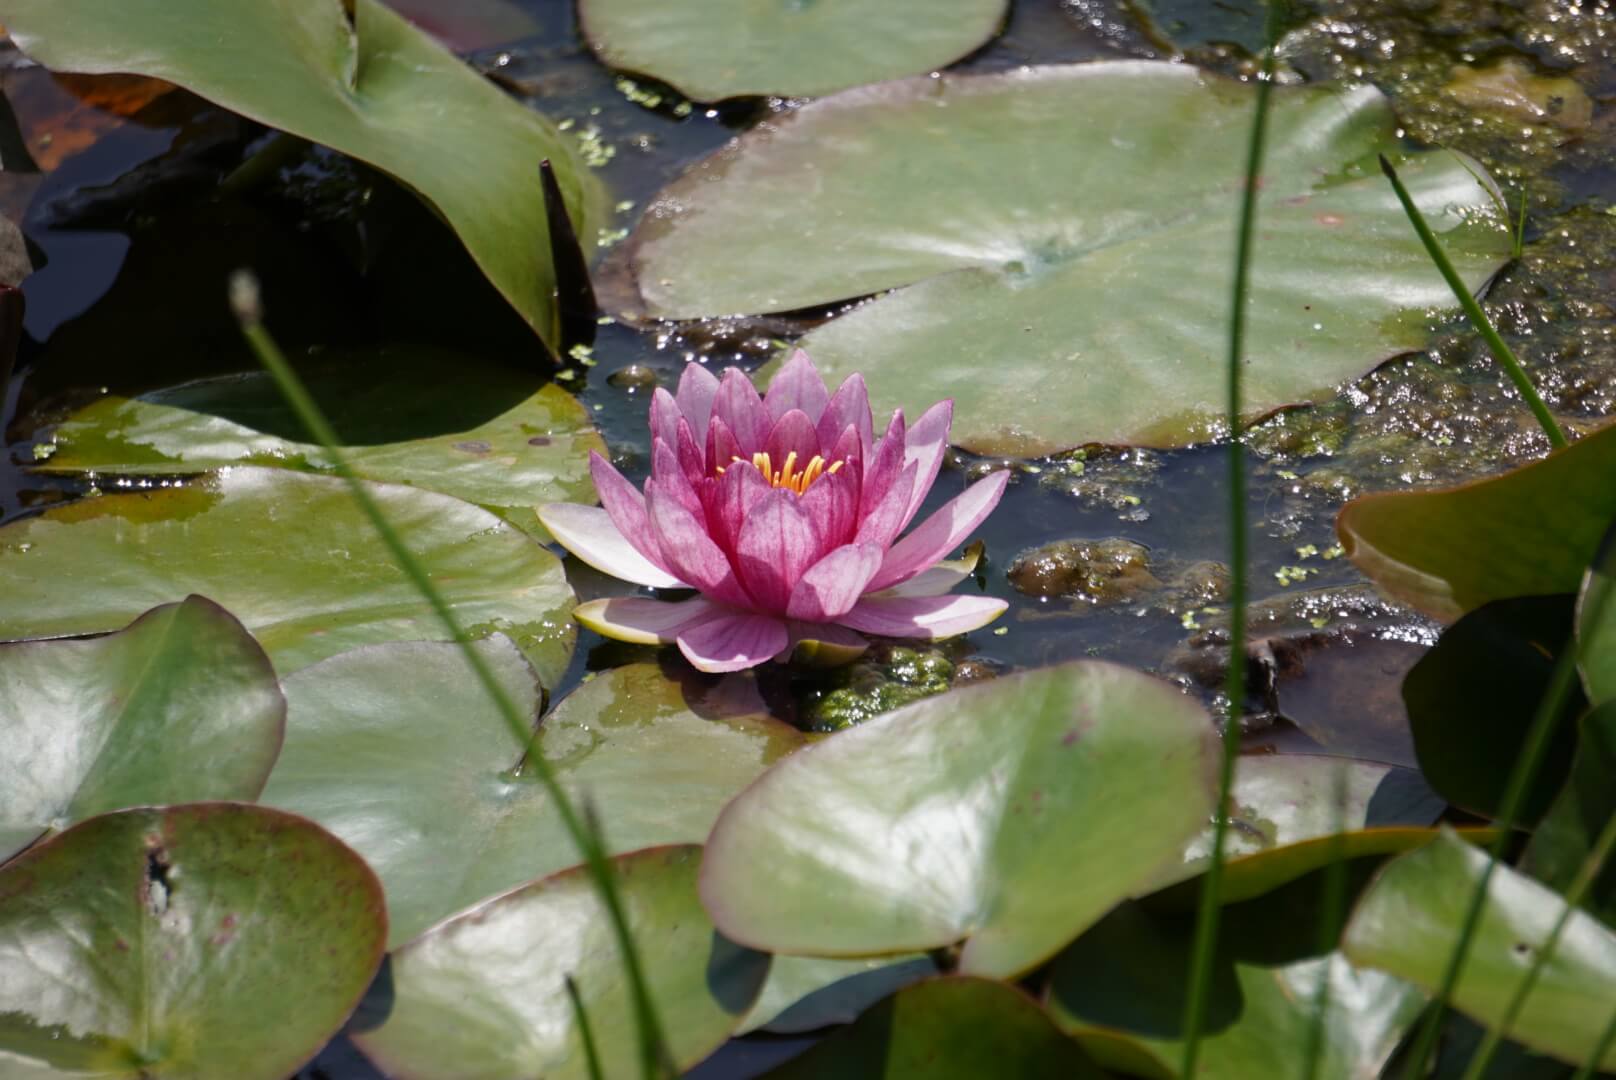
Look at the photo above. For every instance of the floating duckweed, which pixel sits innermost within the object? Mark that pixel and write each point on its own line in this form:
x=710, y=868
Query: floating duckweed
x=1290, y=575
x=1307, y=551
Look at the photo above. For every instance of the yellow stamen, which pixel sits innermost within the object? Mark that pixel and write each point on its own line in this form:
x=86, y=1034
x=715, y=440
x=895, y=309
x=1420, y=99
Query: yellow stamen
x=788, y=477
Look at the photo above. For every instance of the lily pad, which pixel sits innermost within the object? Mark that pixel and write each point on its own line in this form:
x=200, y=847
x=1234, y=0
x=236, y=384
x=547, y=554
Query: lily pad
x=1075, y=219
x=806, y=993
x=790, y=48
x=181, y=706
x=1569, y=831
x=1473, y=697
x=469, y=25
x=484, y=994
x=1120, y=991
x=183, y=943
x=1009, y=814
x=1596, y=624
x=438, y=808
x=1529, y=532
x=954, y=1028
x=1408, y=923
x=292, y=556
x=483, y=432
x=358, y=78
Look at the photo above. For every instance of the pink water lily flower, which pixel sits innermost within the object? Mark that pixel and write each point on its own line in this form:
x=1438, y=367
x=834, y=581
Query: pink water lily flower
x=784, y=513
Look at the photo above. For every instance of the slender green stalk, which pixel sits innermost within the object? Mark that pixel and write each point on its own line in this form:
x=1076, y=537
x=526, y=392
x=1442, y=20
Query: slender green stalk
x=1520, y=226
x=1206, y=916
x=244, y=299
x=1478, y=318
x=1580, y=884
x=1335, y=903
x=1606, y=1041
x=579, y=1014
x=1561, y=681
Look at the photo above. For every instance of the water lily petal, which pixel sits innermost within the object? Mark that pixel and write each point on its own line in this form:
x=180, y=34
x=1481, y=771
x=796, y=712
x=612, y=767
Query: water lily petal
x=798, y=385
x=589, y=533
x=830, y=587
x=692, y=461
x=733, y=642
x=722, y=448
x=831, y=503
x=939, y=579
x=730, y=500
x=848, y=407
x=922, y=616
x=793, y=433
x=941, y=533
x=926, y=443
x=775, y=546
x=688, y=550
x=665, y=468
x=640, y=620
x=626, y=507
x=665, y=416
x=883, y=465
x=880, y=526
x=738, y=405
x=697, y=386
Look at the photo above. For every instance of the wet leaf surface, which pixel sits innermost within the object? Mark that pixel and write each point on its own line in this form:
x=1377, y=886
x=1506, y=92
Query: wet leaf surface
x=728, y=48
x=369, y=85
x=1009, y=814
x=292, y=557
x=180, y=706
x=484, y=994
x=907, y=186
x=183, y=943
x=397, y=750
x=1408, y=922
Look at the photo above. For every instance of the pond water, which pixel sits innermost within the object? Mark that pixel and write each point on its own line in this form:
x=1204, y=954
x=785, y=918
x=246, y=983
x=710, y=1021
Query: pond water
x=1102, y=552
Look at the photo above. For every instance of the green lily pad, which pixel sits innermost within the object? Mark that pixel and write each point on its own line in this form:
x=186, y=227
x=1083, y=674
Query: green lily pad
x=1596, y=624
x=292, y=556
x=790, y=48
x=183, y=943
x=1120, y=990
x=181, y=706
x=479, y=431
x=1407, y=923
x=1010, y=815
x=806, y=993
x=1568, y=832
x=435, y=806
x=358, y=78
x=484, y=994
x=954, y=1028
x=1075, y=219
x=1529, y=532
x=1473, y=697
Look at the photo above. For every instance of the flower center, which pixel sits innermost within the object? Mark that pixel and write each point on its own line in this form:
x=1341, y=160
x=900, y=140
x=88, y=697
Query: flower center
x=788, y=476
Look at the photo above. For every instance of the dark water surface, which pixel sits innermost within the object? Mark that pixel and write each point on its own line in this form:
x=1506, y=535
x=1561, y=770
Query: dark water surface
x=136, y=238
